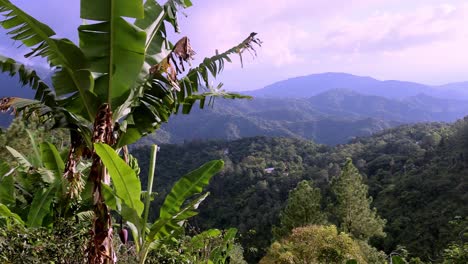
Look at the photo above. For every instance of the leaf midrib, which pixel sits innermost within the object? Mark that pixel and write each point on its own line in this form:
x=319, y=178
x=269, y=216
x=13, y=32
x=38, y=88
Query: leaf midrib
x=111, y=53
x=193, y=186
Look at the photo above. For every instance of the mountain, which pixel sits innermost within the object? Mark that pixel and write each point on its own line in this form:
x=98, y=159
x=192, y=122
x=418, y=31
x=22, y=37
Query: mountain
x=332, y=117
x=311, y=85
x=419, y=108
x=451, y=90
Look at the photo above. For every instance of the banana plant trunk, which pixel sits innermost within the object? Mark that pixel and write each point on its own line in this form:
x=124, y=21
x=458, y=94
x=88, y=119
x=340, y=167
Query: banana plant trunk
x=100, y=249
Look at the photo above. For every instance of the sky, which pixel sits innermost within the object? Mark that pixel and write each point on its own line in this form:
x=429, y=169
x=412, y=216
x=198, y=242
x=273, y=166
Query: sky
x=423, y=41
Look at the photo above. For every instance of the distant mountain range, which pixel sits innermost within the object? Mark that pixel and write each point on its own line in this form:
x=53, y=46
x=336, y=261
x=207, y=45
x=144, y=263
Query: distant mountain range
x=330, y=108
x=307, y=86
x=418, y=108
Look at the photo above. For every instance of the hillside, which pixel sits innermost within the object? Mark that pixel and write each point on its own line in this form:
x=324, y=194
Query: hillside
x=418, y=108
x=416, y=174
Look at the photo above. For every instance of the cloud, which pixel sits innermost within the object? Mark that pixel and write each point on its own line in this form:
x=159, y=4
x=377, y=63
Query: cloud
x=224, y=24
x=384, y=32
x=294, y=30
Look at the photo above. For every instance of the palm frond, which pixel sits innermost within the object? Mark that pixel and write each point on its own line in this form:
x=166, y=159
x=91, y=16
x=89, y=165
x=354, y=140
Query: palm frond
x=23, y=27
x=215, y=64
x=36, y=35
x=27, y=77
x=69, y=60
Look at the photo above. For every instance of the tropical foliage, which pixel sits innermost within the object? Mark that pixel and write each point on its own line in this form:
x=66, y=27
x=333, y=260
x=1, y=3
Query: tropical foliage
x=33, y=193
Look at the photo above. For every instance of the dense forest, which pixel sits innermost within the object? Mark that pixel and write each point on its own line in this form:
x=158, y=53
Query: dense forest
x=417, y=176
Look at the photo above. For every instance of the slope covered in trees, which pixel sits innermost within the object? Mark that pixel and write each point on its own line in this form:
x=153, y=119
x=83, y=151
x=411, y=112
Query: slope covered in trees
x=415, y=173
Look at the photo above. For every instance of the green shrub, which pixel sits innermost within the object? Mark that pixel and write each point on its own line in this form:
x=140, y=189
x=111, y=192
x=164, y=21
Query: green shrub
x=65, y=243
x=315, y=244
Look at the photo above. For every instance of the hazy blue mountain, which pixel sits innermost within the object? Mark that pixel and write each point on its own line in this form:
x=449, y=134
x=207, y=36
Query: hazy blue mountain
x=452, y=90
x=311, y=85
x=419, y=108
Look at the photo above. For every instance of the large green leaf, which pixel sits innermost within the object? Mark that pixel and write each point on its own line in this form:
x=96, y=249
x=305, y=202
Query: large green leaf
x=126, y=184
x=6, y=213
x=40, y=206
x=165, y=227
x=51, y=158
x=111, y=198
x=189, y=185
x=127, y=213
x=104, y=9
x=115, y=48
x=7, y=188
x=171, y=215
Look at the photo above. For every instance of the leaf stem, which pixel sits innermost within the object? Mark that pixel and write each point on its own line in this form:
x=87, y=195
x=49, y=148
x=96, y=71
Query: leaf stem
x=154, y=152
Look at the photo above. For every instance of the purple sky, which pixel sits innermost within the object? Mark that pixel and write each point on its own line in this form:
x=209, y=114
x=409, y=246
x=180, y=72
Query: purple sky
x=419, y=40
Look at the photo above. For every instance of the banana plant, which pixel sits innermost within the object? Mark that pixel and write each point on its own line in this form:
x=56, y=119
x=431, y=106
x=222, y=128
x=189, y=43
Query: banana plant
x=120, y=83
x=179, y=205
x=33, y=194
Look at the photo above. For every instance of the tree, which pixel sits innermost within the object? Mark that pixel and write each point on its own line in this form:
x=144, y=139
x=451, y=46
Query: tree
x=302, y=209
x=353, y=210
x=119, y=84
x=314, y=244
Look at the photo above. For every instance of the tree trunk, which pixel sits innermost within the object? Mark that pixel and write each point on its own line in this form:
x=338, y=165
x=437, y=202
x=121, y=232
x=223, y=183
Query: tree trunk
x=100, y=250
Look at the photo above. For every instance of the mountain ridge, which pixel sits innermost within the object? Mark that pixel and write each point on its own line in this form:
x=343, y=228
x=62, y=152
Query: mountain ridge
x=313, y=84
